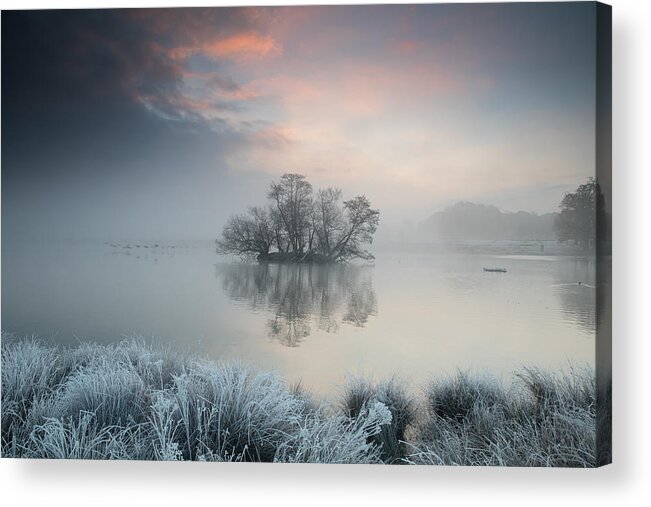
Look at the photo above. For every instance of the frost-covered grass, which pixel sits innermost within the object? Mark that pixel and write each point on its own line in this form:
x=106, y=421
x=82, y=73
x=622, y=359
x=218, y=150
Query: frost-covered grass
x=135, y=401
x=543, y=420
x=393, y=394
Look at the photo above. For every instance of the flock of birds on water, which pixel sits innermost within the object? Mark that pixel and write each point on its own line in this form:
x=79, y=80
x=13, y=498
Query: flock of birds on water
x=148, y=250
x=165, y=249
x=128, y=246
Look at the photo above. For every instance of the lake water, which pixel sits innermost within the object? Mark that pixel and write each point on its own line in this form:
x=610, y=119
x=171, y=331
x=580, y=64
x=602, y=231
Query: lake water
x=421, y=311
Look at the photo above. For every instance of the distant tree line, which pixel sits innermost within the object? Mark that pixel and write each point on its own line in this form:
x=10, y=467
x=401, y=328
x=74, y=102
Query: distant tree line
x=299, y=225
x=582, y=221
x=467, y=220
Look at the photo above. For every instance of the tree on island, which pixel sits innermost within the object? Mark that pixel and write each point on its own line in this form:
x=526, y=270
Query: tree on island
x=583, y=216
x=298, y=225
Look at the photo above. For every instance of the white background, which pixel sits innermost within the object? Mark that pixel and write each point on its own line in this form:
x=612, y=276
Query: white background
x=627, y=481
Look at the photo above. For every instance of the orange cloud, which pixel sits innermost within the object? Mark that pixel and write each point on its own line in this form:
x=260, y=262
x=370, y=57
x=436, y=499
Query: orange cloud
x=246, y=44
x=241, y=46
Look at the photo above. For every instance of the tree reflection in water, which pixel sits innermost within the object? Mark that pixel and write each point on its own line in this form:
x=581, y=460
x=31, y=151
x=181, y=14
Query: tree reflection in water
x=300, y=296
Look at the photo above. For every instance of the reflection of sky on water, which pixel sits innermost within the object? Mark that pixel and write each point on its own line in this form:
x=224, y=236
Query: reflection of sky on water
x=418, y=312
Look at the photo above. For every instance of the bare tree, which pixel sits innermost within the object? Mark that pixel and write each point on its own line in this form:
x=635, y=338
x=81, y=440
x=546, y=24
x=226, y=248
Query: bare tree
x=250, y=234
x=292, y=197
x=302, y=227
x=361, y=223
x=279, y=229
x=329, y=219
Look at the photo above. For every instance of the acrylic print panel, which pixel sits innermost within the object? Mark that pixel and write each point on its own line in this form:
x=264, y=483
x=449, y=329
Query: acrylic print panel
x=324, y=234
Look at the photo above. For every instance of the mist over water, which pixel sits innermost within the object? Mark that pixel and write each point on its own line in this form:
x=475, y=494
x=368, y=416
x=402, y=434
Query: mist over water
x=421, y=311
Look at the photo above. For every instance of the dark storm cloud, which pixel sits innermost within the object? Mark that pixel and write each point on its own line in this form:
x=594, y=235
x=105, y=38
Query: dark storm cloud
x=97, y=58
x=73, y=80
x=93, y=115
x=54, y=57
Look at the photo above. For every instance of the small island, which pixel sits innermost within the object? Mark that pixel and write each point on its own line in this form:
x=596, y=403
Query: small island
x=299, y=225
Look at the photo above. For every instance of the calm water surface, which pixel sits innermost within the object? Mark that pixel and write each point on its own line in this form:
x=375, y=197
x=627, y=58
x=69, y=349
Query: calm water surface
x=419, y=312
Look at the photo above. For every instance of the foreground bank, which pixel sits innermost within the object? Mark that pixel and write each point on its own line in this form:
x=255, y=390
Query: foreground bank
x=135, y=401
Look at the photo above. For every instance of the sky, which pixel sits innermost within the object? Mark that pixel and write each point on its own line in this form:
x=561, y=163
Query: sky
x=161, y=123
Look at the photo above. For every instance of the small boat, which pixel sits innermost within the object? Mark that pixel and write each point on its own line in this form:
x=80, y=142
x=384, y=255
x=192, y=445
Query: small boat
x=495, y=270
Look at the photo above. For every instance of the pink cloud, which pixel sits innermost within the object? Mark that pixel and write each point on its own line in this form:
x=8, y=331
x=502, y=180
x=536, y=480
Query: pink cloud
x=291, y=89
x=273, y=136
x=404, y=46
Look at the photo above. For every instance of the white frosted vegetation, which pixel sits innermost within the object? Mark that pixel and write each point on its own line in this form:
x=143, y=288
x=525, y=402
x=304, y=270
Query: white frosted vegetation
x=134, y=401
x=544, y=420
